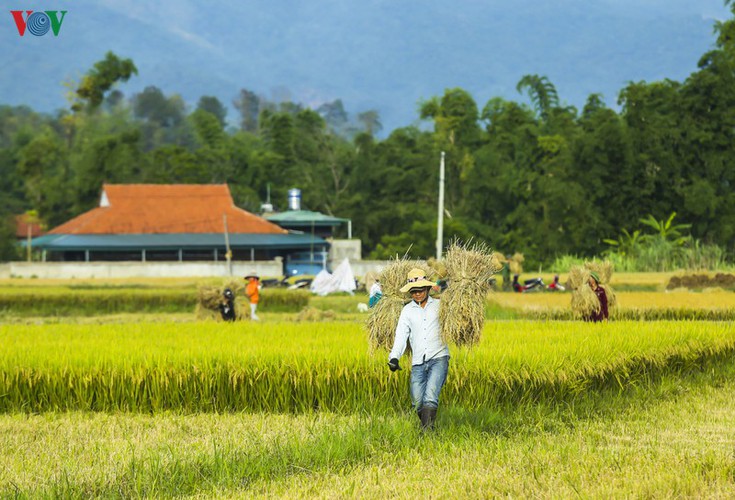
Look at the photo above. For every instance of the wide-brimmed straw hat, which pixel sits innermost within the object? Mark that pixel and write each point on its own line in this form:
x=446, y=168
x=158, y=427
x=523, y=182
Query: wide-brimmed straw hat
x=252, y=275
x=595, y=276
x=416, y=279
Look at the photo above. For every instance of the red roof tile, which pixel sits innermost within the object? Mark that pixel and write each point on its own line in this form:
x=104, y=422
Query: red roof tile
x=166, y=209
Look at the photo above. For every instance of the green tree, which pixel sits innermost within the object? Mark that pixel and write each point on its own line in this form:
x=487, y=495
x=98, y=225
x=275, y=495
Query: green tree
x=542, y=93
x=98, y=80
x=213, y=105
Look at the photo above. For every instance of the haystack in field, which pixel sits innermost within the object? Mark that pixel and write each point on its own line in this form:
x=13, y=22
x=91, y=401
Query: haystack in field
x=209, y=299
x=383, y=319
x=310, y=313
x=584, y=300
x=462, y=307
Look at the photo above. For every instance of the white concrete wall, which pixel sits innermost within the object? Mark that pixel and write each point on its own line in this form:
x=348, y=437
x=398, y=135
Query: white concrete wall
x=360, y=267
x=341, y=249
x=68, y=270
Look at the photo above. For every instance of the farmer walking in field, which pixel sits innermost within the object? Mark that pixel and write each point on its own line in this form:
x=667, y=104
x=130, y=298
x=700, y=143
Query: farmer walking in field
x=419, y=324
x=600, y=314
x=252, y=290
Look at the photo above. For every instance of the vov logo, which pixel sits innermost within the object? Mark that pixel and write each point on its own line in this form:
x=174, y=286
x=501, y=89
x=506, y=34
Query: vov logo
x=38, y=23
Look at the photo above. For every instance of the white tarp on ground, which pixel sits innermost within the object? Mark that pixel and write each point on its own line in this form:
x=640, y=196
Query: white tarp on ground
x=342, y=280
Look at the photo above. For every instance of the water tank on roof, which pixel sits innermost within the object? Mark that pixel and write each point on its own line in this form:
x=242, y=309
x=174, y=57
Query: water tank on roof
x=294, y=199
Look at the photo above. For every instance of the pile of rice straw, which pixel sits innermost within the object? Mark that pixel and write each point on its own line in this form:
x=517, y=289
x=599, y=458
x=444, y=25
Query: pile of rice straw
x=462, y=309
x=383, y=319
x=210, y=297
x=498, y=260
x=313, y=314
x=438, y=266
x=584, y=300
x=516, y=262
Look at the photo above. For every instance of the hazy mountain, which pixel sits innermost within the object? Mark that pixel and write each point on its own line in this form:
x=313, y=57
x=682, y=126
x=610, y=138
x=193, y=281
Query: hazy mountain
x=380, y=54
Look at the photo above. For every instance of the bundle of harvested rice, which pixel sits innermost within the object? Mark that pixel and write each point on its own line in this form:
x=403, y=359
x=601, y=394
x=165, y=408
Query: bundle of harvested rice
x=515, y=263
x=438, y=266
x=462, y=309
x=604, y=270
x=584, y=300
x=310, y=313
x=209, y=299
x=383, y=319
x=498, y=260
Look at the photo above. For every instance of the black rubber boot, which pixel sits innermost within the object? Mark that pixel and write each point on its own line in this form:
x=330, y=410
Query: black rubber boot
x=430, y=418
x=425, y=415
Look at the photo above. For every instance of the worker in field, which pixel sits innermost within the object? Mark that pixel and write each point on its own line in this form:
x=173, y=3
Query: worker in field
x=419, y=324
x=252, y=291
x=600, y=314
x=227, y=305
x=376, y=292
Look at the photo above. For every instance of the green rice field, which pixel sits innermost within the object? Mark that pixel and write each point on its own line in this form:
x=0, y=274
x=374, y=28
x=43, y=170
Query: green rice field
x=137, y=404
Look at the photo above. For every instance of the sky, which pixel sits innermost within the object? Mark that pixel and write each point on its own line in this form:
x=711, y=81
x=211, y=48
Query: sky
x=387, y=55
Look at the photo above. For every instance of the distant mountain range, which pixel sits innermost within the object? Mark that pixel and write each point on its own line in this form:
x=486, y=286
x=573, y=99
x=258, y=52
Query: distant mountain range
x=374, y=54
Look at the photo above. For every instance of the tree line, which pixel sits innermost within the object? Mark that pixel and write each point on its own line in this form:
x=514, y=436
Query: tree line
x=532, y=175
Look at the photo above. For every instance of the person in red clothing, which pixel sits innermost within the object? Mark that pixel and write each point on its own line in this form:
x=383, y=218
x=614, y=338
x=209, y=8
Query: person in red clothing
x=252, y=290
x=602, y=313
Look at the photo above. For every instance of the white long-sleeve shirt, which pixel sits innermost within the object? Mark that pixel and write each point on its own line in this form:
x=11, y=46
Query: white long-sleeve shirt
x=420, y=325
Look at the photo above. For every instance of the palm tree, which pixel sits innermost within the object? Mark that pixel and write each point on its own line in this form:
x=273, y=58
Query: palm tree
x=542, y=93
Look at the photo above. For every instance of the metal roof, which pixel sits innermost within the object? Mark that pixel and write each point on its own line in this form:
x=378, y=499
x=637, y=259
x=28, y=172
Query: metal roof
x=111, y=242
x=304, y=218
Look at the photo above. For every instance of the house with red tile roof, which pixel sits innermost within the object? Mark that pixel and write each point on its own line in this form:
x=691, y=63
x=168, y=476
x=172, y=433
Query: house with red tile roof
x=165, y=222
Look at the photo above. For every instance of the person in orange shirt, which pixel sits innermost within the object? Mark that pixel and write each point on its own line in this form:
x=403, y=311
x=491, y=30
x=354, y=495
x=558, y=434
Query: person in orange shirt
x=252, y=290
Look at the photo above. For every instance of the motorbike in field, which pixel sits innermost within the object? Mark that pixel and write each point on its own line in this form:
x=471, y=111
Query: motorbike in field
x=528, y=286
x=555, y=286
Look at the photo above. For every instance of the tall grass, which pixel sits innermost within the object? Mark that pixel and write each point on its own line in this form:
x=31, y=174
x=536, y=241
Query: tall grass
x=657, y=255
x=65, y=301
x=282, y=367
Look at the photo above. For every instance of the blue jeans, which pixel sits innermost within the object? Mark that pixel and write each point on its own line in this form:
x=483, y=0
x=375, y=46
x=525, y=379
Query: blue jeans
x=427, y=380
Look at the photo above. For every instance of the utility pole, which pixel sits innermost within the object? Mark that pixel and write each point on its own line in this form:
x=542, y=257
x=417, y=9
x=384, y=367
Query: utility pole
x=28, y=243
x=228, y=253
x=440, y=217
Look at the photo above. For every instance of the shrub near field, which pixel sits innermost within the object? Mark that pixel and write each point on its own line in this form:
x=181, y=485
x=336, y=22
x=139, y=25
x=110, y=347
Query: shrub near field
x=285, y=367
x=60, y=301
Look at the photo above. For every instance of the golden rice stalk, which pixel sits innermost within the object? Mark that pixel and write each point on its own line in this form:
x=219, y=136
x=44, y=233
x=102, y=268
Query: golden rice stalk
x=578, y=276
x=462, y=308
x=383, y=319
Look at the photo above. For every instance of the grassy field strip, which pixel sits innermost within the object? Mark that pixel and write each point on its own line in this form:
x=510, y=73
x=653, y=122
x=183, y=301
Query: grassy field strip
x=672, y=438
x=681, y=447
x=64, y=302
x=718, y=299
x=716, y=305
x=287, y=367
